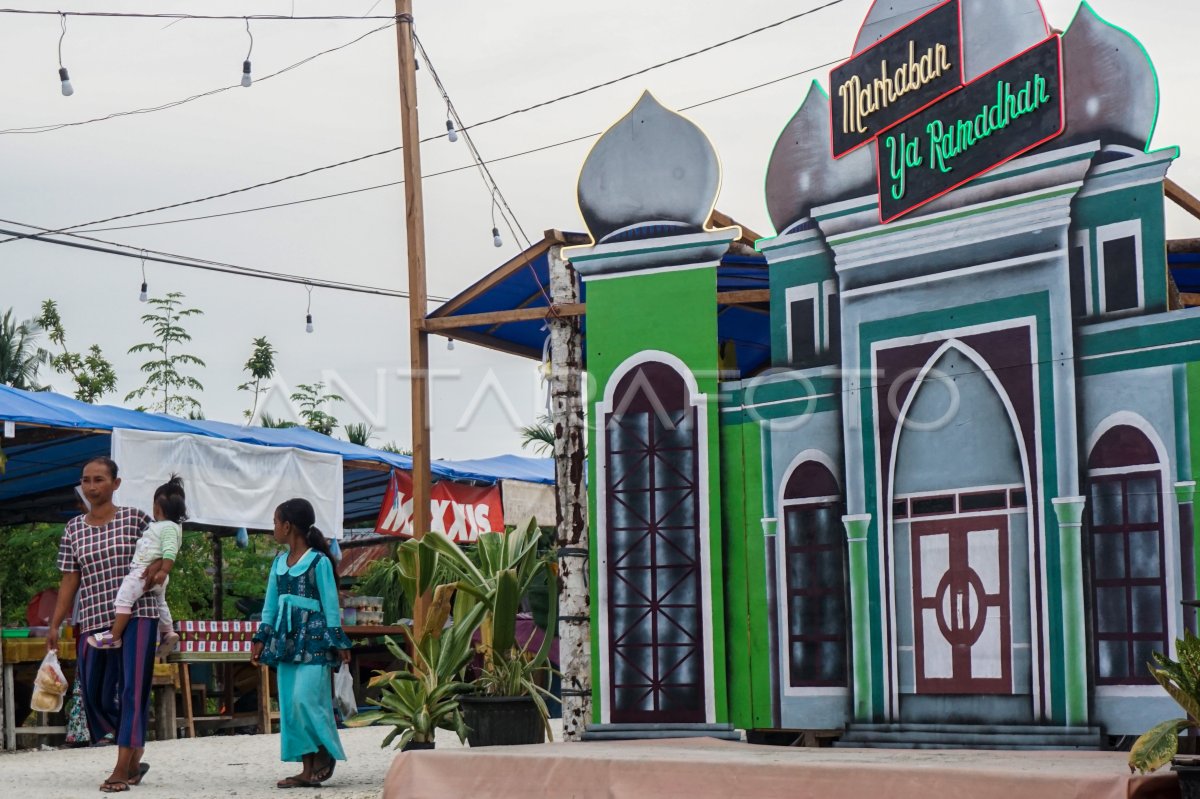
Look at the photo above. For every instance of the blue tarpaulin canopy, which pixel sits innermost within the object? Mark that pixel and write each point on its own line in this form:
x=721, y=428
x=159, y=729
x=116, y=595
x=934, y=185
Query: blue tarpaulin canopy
x=57, y=434
x=523, y=283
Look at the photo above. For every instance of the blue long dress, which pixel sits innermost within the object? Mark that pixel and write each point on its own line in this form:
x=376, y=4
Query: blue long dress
x=301, y=632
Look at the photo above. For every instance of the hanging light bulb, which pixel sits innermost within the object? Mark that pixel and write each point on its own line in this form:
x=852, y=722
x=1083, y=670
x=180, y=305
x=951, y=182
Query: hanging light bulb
x=144, y=295
x=496, y=240
x=308, y=323
x=451, y=133
x=450, y=344
x=63, y=77
x=246, y=78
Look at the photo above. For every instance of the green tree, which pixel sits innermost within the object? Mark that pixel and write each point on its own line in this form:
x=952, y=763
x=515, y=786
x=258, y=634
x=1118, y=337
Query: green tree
x=260, y=367
x=360, y=433
x=538, y=437
x=313, y=398
x=267, y=420
x=165, y=383
x=93, y=374
x=20, y=357
x=28, y=553
x=395, y=448
x=190, y=592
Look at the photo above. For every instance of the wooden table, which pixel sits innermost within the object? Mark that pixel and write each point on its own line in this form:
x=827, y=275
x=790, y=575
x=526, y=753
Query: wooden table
x=263, y=716
x=27, y=652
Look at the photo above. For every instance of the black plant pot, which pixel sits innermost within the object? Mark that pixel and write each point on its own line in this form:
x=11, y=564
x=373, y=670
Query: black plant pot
x=502, y=720
x=413, y=746
x=1189, y=778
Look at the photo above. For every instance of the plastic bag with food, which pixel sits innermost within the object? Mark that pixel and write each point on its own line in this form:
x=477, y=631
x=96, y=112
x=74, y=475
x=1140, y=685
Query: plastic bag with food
x=50, y=686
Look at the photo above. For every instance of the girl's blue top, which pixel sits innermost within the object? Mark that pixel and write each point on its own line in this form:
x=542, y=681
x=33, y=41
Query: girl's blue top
x=301, y=619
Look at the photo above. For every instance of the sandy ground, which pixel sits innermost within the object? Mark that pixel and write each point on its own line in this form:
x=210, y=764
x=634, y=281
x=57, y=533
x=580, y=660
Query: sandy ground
x=245, y=766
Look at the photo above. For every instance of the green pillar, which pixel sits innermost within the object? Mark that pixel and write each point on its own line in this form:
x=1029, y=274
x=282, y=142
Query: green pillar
x=1070, y=533
x=860, y=613
x=1185, y=495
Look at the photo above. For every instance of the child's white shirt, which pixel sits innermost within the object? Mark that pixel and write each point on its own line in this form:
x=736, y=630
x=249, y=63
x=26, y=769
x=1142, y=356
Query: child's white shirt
x=161, y=539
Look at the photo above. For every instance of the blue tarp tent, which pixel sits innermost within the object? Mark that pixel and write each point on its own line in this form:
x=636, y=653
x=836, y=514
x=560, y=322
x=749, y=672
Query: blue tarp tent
x=57, y=434
x=522, y=283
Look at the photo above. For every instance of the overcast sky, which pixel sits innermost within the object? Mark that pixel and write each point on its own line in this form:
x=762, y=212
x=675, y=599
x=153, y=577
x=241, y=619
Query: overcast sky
x=493, y=57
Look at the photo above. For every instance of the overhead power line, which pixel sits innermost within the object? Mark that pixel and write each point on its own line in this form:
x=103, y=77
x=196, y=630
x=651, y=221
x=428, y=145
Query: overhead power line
x=472, y=165
x=158, y=256
x=58, y=126
x=345, y=162
x=181, y=16
x=659, y=65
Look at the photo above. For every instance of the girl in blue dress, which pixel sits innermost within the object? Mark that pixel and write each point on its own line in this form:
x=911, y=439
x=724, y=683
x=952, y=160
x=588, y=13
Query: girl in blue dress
x=301, y=636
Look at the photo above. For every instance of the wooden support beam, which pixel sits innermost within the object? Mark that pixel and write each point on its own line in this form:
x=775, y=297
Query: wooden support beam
x=743, y=297
x=445, y=323
x=1181, y=197
x=724, y=220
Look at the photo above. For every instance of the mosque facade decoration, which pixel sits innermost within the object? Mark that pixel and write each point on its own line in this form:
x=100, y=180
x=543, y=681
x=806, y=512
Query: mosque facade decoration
x=960, y=498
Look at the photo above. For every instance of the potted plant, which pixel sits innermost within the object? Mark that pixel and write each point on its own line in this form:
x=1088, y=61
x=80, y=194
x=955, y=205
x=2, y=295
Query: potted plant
x=507, y=705
x=419, y=700
x=1156, y=747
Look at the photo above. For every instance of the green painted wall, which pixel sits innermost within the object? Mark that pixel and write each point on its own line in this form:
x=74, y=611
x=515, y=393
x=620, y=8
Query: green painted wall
x=1193, y=413
x=1144, y=202
x=809, y=269
x=674, y=312
x=746, y=610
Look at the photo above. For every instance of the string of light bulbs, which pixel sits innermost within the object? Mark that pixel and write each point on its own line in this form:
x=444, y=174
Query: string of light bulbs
x=89, y=227
x=49, y=128
x=58, y=126
x=498, y=199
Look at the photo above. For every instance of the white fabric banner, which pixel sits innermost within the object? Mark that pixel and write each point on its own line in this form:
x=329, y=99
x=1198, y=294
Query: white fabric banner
x=228, y=483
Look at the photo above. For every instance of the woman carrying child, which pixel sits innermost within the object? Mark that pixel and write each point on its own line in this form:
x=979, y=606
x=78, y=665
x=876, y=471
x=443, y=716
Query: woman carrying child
x=94, y=556
x=301, y=636
x=153, y=560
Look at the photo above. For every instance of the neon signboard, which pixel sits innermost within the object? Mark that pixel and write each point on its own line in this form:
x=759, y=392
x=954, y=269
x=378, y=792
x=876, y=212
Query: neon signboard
x=995, y=118
x=895, y=78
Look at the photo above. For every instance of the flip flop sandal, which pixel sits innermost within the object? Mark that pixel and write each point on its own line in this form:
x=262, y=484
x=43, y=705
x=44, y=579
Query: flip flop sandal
x=167, y=645
x=104, y=640
x=142, y=769
x=326, y=771
x=115, y=786
x=296, y=782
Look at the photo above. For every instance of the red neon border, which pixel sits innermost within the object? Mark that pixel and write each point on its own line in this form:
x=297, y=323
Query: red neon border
x=962, y=74
x=1062, y=123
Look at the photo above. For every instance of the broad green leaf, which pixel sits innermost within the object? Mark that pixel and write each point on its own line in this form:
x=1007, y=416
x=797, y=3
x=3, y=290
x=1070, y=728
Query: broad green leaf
x=365, y=719
x=504, y=612
x=1157, y=746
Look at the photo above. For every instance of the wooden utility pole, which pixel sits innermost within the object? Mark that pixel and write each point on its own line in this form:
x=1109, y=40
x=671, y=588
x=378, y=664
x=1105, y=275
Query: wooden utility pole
x=414, y=206
x=566, y=411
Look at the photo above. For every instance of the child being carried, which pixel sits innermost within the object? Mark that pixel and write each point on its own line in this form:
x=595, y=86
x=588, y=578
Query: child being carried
x=153, y=558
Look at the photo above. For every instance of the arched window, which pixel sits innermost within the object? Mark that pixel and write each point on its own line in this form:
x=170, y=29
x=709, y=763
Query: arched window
x=1128, y=567
x=655, y=590
x=814, y=564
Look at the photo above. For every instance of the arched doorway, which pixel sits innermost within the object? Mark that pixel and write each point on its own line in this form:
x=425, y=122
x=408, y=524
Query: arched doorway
x=655, y=597
x=813, y=557
x=1127, y=556
x=960, y=548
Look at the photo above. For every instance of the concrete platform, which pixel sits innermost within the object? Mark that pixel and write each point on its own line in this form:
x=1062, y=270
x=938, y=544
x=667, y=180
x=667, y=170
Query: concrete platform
x=698, y=768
